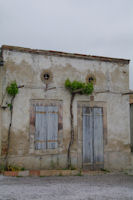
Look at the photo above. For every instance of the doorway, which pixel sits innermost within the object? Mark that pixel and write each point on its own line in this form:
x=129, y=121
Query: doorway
x=92, y=133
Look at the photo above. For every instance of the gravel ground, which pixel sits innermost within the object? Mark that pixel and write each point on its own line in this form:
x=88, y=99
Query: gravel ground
x=88, y=187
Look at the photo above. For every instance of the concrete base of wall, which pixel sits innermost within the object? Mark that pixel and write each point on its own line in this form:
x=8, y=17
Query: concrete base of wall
x=43, y=173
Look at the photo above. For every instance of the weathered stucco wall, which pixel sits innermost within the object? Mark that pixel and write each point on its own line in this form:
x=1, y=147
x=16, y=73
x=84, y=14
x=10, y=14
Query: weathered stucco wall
x=26, y=69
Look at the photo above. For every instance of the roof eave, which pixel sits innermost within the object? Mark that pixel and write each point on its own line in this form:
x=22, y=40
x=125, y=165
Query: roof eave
x=65, y=54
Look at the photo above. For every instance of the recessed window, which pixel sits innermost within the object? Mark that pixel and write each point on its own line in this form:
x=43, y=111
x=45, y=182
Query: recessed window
x=46, y=125
x=46, y=76
x=90, y=78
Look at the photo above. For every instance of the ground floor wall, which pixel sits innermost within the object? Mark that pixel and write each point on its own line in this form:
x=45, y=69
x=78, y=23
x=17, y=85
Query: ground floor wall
x=113, y=161
x=116, y=133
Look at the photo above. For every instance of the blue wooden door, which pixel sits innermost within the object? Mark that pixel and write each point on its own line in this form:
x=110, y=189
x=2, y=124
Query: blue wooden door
x=92, y=138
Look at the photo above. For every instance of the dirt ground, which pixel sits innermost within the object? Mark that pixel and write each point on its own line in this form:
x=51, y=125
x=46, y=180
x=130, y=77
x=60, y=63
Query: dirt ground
x=87, y=187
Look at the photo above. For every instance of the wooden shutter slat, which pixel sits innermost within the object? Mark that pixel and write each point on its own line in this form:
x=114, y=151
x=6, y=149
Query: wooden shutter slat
x=41, y=112
x=45, y=112
x=41, y=141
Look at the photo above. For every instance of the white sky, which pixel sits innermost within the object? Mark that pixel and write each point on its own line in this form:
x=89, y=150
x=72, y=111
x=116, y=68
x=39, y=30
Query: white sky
x=96, y=27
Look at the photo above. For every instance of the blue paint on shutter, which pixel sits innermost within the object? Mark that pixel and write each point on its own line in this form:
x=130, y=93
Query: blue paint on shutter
x=46, y=127
x=52, y=126
x=40, y=127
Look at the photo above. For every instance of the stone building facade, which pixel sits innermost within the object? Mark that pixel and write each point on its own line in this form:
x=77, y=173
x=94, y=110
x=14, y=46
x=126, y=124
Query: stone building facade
x=40, y=131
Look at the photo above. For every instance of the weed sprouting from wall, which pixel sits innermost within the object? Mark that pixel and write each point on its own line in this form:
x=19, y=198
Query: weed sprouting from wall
x=12, y=89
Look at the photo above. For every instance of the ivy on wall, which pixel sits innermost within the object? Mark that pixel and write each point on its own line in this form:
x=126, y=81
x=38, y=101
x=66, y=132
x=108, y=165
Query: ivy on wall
x=79, y=87
x=74, y=88
x=12, y=91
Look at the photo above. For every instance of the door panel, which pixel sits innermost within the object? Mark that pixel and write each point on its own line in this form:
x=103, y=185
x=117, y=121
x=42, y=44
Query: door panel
x=87, y=136
x=98, y=137
x=92, y=138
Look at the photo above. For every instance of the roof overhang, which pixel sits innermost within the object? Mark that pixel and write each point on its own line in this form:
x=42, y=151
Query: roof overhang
x=64, y=54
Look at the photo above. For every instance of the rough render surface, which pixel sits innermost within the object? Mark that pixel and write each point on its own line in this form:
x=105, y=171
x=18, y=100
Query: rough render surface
x=26, y=69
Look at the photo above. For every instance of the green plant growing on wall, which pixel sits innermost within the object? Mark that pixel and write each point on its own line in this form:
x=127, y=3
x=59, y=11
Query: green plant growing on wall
x=77, y=87
x=12, y=90
x=74, y=88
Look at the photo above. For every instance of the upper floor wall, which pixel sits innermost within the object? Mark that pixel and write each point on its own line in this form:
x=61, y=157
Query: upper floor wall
x=27, y=66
